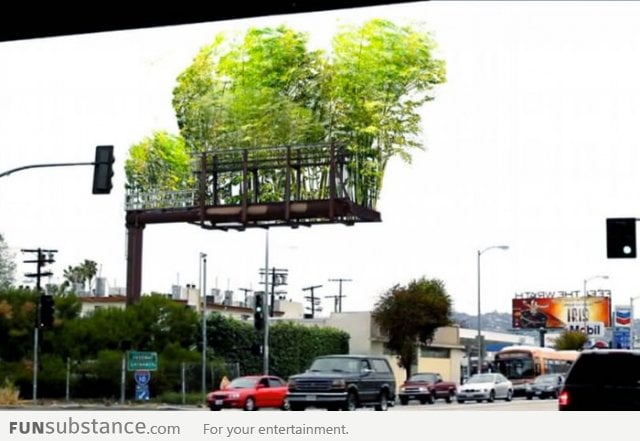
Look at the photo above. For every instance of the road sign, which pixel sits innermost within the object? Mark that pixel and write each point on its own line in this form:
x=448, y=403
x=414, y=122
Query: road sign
x=142, y=377
x=622, y=338
x=142, y=393
x=145, y=361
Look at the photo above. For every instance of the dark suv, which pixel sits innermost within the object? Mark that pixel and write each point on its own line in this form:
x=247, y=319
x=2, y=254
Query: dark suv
x=343, y=382
x=600, y=379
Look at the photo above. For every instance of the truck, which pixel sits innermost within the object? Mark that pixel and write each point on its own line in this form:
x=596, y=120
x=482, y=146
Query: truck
x=426, y=387
x=343, y=382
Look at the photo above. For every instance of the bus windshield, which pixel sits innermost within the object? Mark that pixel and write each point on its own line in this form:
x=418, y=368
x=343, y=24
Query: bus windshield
x=515, y=368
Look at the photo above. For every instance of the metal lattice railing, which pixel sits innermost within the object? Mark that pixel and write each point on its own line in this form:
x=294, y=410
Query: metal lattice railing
x=264, y=175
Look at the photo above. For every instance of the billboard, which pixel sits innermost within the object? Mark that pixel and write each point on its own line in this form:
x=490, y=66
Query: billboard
x=559, y=312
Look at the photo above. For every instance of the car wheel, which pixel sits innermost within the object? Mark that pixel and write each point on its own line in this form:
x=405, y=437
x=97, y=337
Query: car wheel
x=430, y=399
x=214, y=408
x=404, y=401
x=460, y=401
x=285, y=405
x=383, y=402
x=296, y=407
x=509, y=395
x=351, y=403
x=529, y=397
x=250, y=404
x=554, y=395
x=492, y=396
x=450, y=396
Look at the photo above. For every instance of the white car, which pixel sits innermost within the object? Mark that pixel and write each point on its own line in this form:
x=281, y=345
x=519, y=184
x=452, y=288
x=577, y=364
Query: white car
x=488, y=386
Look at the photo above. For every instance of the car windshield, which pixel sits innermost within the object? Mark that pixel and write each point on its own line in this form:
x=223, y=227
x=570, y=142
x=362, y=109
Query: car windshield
x=481, y=378
x=334, y=364
x=242, y=383
x=424, y=377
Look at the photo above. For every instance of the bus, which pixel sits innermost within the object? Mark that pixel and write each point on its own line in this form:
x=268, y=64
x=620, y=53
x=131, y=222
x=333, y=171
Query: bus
x=521, y=364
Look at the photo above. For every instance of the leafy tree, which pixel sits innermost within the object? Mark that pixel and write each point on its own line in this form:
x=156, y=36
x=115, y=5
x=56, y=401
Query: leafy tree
x=571, y=340
x=7, y=265
x=267, y=88
x=409, y=316
x=381, y=75
x=158, y=162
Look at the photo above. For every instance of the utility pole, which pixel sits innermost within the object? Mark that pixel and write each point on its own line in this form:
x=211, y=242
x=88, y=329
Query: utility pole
x=43, y=257
x=338, y=301
x=278, y=278
x=312, y=298
x=246, y=292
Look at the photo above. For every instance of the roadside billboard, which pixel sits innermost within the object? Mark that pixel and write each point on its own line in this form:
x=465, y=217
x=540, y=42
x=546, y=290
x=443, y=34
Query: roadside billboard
x=559, y=312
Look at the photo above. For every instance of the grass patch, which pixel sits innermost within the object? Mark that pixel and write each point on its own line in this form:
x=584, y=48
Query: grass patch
x=176, y=398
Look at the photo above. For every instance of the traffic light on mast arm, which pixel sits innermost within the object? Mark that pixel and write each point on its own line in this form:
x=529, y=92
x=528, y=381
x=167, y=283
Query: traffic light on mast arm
x=103, y=169
x=258, y=312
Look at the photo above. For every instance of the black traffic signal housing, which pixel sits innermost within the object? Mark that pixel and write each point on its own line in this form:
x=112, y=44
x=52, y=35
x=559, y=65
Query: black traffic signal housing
x=47, y=310
x=621, y=238
x=103, y=169
x=258, y=311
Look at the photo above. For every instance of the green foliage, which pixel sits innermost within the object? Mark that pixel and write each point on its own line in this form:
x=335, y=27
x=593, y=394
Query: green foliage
x=266, y=88
x=409, y=315
x=380, y=76
x=254, y=91
x=571, y=340
x=158, y=162
x=7, y=265
x=288, y=359
x=93, y=345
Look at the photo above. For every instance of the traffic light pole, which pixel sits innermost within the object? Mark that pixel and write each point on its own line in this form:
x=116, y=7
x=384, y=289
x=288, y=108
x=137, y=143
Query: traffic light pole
x=57, y=164
x=102, y=172
x=265, y=347
x=40, y=261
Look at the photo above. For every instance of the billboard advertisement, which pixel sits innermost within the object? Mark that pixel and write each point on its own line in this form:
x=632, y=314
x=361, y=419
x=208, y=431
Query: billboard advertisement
x=559, y=312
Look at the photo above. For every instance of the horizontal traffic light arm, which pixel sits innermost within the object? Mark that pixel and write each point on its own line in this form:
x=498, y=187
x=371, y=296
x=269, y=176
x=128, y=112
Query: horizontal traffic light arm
x=56, y=164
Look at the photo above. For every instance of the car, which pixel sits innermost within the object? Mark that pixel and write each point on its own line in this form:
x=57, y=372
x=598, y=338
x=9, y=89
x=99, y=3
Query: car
x=344, y=382
x=250, y=392
x=426, y=387
x=602, y=379
x=545, y=386
x=485, y=386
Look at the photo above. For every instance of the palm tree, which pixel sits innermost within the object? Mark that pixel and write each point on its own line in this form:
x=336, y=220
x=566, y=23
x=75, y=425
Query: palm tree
x=88, y=269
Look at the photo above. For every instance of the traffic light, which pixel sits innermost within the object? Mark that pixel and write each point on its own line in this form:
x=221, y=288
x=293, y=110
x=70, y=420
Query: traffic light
x=47, y=309
x=621, y=238
x=103, y=169
x=258, y=311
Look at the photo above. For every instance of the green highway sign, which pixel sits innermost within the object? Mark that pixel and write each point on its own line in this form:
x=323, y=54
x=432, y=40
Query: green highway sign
x=142, y=361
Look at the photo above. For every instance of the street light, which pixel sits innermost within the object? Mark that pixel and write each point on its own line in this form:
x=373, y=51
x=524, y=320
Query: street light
x=480, y=253
x=203, y=294
x=584, y=292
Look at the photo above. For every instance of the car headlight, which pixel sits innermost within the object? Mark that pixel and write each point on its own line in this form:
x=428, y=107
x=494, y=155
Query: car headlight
x=338, y=384
x=234, y=396
x=402, y=389
x=423, y=389
x=291, y=384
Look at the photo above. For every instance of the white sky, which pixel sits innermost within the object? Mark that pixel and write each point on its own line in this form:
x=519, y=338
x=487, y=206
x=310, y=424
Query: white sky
x=531, y=143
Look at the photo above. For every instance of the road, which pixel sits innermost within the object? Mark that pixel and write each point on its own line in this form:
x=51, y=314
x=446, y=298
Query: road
x=518, y=404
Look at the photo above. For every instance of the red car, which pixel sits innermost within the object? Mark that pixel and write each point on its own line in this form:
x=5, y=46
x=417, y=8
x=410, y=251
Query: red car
x=250, y=393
